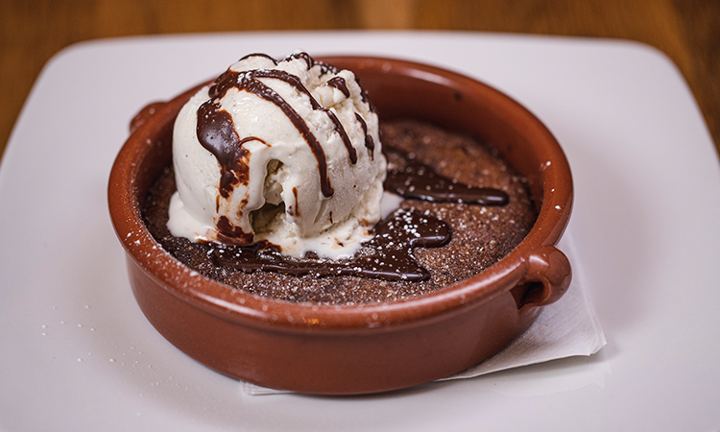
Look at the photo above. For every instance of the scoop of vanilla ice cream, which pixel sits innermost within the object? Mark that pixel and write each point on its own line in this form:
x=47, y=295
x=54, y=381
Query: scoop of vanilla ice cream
x=286, y=153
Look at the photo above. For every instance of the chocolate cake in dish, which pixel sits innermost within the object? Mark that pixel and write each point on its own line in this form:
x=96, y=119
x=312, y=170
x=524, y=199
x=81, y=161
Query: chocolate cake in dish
x=478, y=260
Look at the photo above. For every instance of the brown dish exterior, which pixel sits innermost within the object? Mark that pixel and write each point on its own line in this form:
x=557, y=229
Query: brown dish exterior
x=357, y=349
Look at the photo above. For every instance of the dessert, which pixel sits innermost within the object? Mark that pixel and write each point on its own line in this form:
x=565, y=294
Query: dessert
x=481, y=235
x=345, y=347
x=467, y=208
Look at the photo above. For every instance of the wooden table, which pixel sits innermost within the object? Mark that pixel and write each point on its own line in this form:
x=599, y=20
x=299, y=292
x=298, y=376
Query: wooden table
x=32, y=31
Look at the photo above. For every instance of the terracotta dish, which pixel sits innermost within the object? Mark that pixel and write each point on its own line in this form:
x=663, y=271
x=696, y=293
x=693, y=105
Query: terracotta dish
x=370, y=348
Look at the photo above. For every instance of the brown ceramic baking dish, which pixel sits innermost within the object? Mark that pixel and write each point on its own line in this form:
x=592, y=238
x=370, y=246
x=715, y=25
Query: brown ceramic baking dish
x=370, y=348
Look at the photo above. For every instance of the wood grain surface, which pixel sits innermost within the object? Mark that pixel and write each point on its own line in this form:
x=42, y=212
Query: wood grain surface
x=32, y=31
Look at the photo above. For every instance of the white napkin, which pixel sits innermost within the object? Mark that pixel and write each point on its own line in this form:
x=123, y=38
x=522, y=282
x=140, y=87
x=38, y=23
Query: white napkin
x=566, y=328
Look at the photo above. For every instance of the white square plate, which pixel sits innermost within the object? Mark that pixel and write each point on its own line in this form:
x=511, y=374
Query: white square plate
x=77, y=353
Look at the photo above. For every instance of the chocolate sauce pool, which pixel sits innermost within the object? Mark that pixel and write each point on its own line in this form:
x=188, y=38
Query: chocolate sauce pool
x=418, y=181
x=388, y=255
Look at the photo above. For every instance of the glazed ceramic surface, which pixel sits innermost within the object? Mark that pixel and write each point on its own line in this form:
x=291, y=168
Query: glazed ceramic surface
x=374, y=347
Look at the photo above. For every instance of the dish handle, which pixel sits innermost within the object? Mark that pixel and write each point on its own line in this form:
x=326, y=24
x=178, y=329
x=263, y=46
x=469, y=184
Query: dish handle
x=547, y=277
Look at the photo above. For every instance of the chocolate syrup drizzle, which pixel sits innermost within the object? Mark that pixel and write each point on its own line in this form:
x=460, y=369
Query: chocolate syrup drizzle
x=369, y=142
x=388, y=255
x=340, y=84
